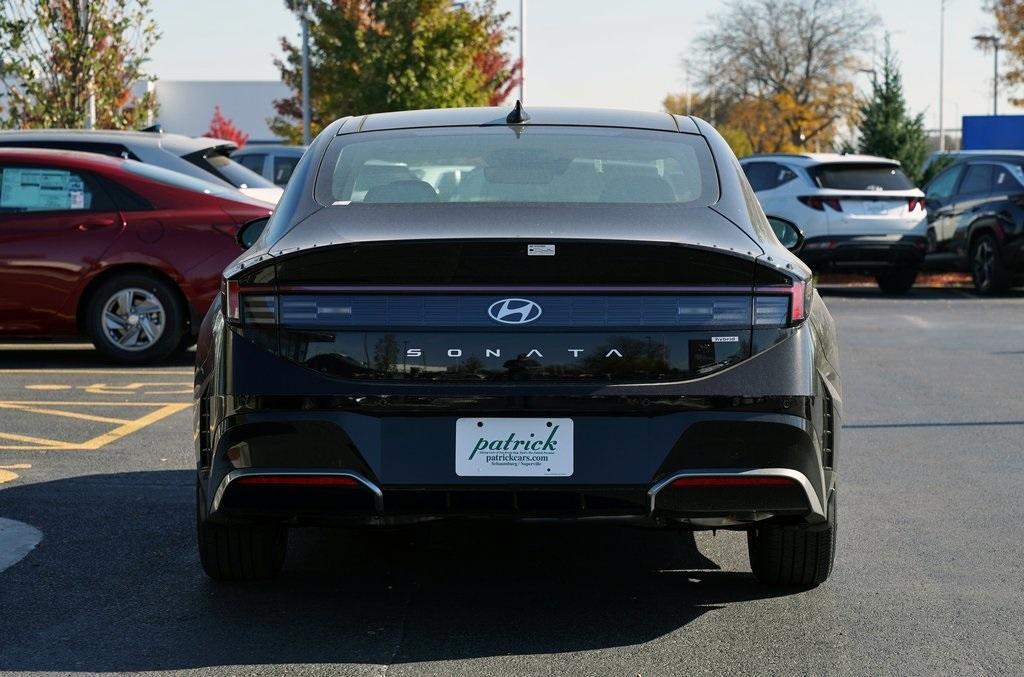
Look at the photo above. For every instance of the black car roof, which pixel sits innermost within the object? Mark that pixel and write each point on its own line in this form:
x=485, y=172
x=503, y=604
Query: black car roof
x=474, y=117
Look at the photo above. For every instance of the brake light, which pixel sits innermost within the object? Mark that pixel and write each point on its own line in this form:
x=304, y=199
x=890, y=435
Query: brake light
x=798, y=301
x=915, y=202
x=781, y=306
x=818, y=202
x=255, y=304
x=232, y=310
x=733, y=481
x=299, y=480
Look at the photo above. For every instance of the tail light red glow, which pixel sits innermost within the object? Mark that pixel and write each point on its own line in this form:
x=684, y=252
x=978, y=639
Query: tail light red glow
x=234, y=291
x=818, y=202
x=915, y=202
x=798, y=301
x=232, y=300
x=299, y=480
x=733, y=481
x=799, y=293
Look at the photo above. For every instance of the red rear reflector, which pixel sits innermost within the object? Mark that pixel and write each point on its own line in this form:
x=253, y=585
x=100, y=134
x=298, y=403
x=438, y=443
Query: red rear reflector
x=299, y=480
x=734, y=481
x=915, y=202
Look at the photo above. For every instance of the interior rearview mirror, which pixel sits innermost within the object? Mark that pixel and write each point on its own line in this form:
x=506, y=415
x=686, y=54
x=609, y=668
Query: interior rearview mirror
x=251, y=232
x=789, y=235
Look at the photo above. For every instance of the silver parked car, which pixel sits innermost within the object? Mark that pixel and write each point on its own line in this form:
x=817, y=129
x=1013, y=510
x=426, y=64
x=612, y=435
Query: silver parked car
x=202, y=157
x=271, y=161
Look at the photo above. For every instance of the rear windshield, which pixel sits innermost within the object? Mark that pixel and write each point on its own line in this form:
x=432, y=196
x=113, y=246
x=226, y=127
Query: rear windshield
x=506, y=164
x=176, y=179
x=223, y=167
x=860, y=176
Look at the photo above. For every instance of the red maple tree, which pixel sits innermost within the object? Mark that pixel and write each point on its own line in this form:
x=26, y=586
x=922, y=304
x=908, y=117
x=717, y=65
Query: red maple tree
x=223, y=128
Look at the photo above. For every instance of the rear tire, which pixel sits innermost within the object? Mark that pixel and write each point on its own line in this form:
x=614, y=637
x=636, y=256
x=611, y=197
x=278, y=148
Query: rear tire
x=242, y=552
x=135, y=302
x=896, y=281
x=797, y=556
x=987, y=269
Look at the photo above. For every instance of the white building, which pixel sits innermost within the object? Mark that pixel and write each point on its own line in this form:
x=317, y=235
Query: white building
x=186, y=106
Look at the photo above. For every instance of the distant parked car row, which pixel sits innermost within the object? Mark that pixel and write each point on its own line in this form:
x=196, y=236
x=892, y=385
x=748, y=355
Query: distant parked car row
x=861, y=214
x=121, y=235
x=272, y=162
x=127, y=252
x=976, y=218
x=201, y=158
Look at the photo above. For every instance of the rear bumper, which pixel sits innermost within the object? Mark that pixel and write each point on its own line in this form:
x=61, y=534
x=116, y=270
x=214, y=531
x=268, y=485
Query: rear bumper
x=626, y=467
x=863, y=253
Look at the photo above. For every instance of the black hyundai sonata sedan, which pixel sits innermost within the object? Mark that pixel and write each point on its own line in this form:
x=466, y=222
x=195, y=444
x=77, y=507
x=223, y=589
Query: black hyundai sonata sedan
x=538, y=314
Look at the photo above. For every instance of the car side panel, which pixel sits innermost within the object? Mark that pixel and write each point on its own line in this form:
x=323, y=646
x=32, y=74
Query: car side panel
x=190, y=246
x=45, y=256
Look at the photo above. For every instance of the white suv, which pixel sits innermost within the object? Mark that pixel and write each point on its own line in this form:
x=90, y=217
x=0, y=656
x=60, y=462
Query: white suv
x=859, y=213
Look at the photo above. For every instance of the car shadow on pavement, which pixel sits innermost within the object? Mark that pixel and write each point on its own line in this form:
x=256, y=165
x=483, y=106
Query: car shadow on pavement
x=57, y=356
x=115, y=586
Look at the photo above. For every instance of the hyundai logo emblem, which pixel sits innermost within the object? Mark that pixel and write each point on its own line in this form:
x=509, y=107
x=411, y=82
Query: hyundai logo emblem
x=514, y=311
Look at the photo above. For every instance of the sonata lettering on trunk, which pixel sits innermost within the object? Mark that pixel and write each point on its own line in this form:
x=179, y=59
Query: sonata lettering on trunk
x=456, y=353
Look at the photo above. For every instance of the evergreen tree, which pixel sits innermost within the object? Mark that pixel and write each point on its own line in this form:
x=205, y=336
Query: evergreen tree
x=887, y=129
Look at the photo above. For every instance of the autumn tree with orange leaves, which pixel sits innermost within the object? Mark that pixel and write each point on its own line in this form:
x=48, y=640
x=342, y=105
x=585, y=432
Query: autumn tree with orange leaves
x=780, y=72
x=369, y=56
x=53, y=53
x=1009, y=15
x=224, y=128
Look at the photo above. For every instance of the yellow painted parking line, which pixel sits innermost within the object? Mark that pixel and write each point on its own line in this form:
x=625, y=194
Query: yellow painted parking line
x=47, y=386
x=133, y=426
x=5, y=471
x=115, y=372
x=61, y=412
x=126, y=426
x=87, y=403
x=133, y=388
x=39, y=442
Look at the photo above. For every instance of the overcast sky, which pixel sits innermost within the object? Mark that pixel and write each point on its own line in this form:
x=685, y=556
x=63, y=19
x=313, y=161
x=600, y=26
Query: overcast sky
x=615, y=54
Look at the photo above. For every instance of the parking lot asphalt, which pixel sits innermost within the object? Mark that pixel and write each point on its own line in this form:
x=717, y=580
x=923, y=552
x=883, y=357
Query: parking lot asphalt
x=95, y=461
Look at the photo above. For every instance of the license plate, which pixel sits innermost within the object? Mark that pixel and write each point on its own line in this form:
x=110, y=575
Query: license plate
x=513, y=447
x=882, y=207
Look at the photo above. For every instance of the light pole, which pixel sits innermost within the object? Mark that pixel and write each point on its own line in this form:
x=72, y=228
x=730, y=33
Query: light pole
x=90, y=101
x=304, y=22
x=993, y=40
x=522, y=50
x=942, y=73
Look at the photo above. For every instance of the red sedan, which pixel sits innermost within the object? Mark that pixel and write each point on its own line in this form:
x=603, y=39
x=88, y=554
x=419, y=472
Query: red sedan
x=125, y=252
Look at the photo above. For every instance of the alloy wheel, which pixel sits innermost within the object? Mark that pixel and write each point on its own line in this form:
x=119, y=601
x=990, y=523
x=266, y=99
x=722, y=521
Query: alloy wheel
x=984, y=263
x=133, y=319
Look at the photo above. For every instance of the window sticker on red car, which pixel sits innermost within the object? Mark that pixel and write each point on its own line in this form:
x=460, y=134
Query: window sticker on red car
x=36, y=189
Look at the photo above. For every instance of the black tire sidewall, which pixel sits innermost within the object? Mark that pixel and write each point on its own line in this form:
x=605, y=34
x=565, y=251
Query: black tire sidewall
x=173, y=313
x=998, y=282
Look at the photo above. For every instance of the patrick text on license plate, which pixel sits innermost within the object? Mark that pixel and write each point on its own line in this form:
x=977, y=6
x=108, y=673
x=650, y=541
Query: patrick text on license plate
x=514, y=447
